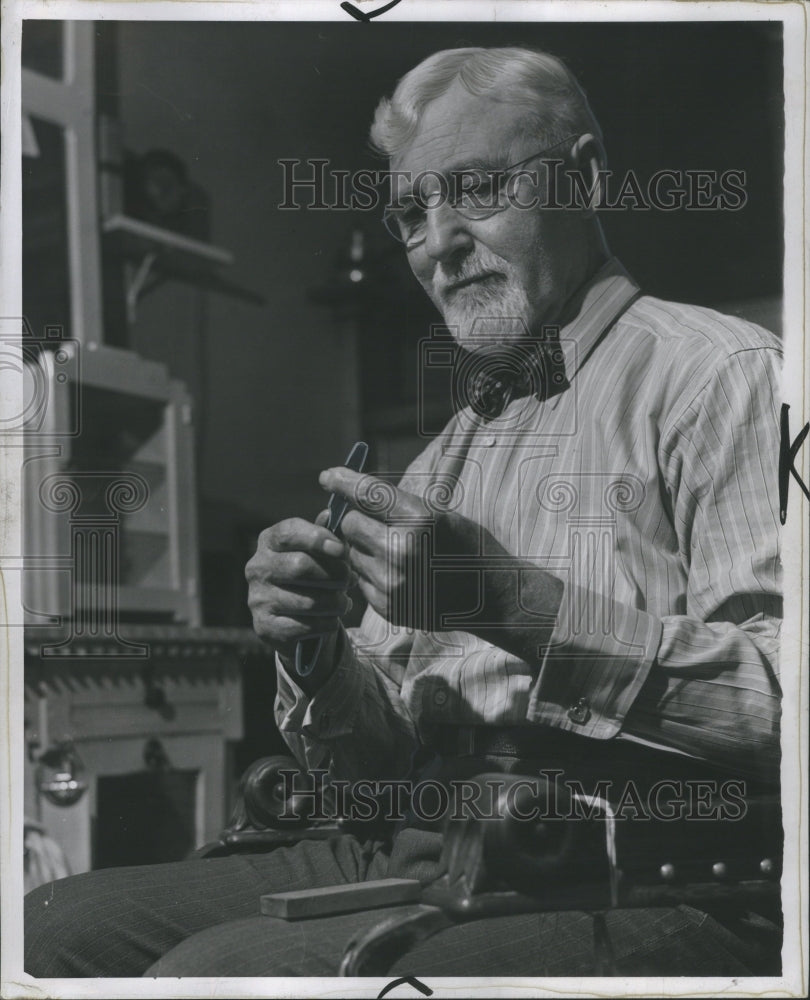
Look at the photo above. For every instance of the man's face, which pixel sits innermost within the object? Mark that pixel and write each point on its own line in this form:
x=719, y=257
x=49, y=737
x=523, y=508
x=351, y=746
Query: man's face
x=511, y=272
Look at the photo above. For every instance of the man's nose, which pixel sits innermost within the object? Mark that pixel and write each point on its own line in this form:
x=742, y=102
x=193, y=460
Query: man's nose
x=446, y=232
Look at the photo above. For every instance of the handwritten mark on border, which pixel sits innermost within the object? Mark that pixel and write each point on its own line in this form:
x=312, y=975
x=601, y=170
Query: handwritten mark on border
x=787, y=457
x=362, y=15
x=411, y=981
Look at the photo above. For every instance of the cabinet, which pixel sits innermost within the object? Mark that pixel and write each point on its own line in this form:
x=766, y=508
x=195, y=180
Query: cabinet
x=118, y=667
x=110, y=521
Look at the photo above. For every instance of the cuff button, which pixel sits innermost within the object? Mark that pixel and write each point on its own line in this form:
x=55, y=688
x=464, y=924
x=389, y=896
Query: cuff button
x=580, y=712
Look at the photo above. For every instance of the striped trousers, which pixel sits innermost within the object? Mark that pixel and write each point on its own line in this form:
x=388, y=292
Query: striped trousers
x=201, y=918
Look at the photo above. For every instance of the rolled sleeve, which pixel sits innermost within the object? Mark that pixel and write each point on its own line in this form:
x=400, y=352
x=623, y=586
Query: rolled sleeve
x=598, y=658
x=332, y=711
x=355, y=725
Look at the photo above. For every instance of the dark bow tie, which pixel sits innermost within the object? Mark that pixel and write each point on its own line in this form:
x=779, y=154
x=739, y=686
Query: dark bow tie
x=492, y=383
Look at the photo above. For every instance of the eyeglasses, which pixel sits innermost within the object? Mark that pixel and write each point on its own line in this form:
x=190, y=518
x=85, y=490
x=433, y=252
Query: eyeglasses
x=476, y=194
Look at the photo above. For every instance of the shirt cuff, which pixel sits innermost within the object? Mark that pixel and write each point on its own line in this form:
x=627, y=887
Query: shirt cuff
x=597, y=660
x=332, y=710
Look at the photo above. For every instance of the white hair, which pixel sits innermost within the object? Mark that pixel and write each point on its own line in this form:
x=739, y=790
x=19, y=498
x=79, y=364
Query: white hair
x=539, y=83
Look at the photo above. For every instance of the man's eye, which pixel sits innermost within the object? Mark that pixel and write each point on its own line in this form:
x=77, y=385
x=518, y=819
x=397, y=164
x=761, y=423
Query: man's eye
x=411, y=218
x=476, y=191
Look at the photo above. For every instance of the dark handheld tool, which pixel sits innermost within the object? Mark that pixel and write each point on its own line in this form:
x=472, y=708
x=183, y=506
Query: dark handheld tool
x=308, y=649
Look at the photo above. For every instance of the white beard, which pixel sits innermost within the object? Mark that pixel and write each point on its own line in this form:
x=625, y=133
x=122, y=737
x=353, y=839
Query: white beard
x=492, y=311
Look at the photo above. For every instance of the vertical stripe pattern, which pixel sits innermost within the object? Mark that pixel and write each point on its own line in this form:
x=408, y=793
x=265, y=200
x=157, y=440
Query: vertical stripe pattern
x=649, y=487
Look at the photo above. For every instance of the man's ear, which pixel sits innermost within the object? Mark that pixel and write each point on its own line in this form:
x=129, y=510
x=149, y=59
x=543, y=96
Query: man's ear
x=588, y=159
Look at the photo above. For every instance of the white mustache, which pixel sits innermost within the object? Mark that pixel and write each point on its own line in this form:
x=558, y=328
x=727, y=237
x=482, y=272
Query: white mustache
x=469, y=269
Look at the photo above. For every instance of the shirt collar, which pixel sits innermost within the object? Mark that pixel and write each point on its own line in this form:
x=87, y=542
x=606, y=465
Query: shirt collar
x=547, y=368
x=600, y=303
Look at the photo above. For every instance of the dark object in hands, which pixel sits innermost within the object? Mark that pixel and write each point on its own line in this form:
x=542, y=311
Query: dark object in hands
x=308, y=649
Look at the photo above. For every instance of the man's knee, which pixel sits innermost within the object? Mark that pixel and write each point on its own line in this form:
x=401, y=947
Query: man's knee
x=61, y=927
x=267, y=946
x=258, y=946
x=118, y=921
x=110, y=922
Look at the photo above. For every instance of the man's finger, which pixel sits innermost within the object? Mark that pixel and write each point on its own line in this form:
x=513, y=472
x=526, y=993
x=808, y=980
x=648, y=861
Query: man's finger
x=371, y=496
x=365, y=533
x=284, y=630
x=299, y=601
x=297, y=535
x=374, y=596
x=302, y=570
x=368, y=569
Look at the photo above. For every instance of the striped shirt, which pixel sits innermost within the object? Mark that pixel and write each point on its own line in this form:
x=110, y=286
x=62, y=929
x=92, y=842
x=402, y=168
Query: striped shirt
x=648, y=486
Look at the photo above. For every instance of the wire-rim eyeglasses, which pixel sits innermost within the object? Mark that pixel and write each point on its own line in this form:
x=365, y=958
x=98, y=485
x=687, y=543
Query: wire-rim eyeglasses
x=407, y=223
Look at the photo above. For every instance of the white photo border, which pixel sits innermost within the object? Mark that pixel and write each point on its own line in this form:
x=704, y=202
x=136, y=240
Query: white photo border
x=795, y=646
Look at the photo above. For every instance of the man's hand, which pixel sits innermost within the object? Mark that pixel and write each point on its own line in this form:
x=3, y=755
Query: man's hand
x=392, y=535
x=509, y=602
x=297, y=580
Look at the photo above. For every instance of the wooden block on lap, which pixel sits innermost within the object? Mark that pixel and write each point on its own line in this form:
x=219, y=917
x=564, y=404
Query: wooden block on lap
x=331, y=899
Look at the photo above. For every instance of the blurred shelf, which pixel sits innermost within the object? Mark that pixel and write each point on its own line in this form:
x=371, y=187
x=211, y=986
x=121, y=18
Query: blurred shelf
x=166, y=641
x=162, y=254
x=136, y=238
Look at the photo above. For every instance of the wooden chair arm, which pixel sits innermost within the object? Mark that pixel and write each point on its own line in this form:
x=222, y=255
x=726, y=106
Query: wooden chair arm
x=261, y=800
x=264, y=817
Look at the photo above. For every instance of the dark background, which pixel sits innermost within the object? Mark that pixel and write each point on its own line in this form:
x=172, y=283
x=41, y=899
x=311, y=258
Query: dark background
x=668, y=95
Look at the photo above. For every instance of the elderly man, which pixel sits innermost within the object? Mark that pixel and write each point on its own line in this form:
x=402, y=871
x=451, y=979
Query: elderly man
x=581, y=572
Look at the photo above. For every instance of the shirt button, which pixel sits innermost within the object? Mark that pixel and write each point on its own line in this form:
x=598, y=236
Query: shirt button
x=580, y=712
x=325, y=720
x=489, y=441
x=440, y=698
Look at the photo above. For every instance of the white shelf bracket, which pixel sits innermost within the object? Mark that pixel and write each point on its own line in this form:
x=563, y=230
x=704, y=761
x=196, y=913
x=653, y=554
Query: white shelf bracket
x=136, y=283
